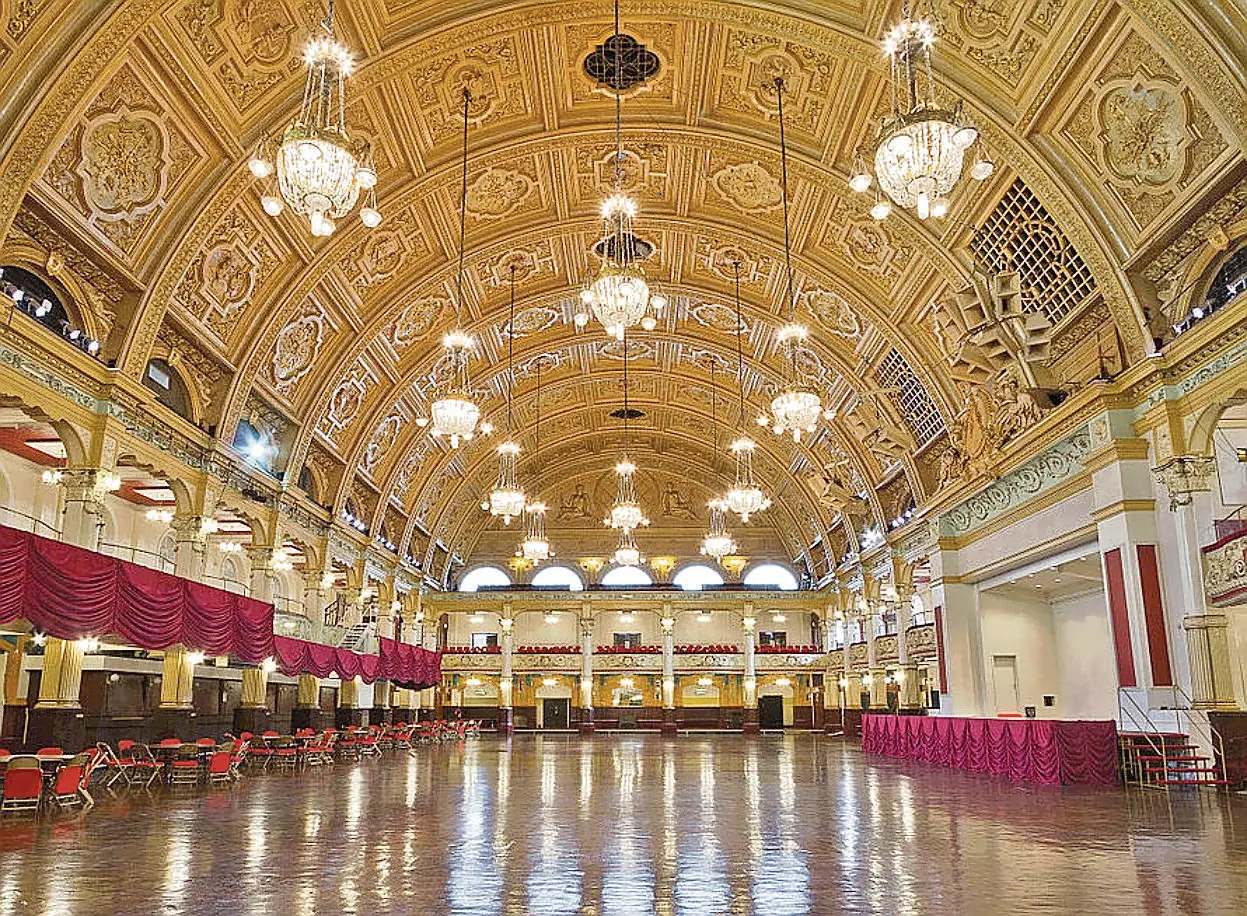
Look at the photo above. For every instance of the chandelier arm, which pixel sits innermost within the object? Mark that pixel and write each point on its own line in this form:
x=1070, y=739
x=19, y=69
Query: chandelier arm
x=463, y=211
x=511, y=353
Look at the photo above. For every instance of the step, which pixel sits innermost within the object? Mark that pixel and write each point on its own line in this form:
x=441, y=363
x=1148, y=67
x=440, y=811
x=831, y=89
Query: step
x=1192, y=782
x=1151, y=735
x=1181, y=770
x=1172, y=758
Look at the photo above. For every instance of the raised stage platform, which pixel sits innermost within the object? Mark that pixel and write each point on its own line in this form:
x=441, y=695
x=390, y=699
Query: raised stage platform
x=1046, y=751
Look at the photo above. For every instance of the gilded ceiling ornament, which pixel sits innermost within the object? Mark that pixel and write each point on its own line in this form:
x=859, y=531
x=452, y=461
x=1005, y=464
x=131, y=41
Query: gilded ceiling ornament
x=383, y=252
x=718, y=318
x=833, y=312
x=295, y=349
x=497, y=192
x=123, y=165
x=748, y=187
x=383, y=439
x=1144, y=132
x=531, y=321
x=415, y=322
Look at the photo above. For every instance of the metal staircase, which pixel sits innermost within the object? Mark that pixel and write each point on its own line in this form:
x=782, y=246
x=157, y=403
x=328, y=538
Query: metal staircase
x=1153, y=757
x=356, y=636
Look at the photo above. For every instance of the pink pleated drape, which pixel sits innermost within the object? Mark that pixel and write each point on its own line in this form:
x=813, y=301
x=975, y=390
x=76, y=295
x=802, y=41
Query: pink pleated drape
x=1043, y=751
x=407, y=666
x=70, y=593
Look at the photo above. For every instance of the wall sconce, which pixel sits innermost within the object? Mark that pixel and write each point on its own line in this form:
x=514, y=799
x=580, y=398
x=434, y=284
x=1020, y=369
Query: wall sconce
x=473, y=682
x=782, y=682
x=549, y=681
x=704, y=681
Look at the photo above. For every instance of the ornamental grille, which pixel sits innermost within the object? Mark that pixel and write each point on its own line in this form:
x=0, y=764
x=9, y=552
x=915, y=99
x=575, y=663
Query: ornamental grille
x=1020, y=236
x=910, y=397
x=620, y=63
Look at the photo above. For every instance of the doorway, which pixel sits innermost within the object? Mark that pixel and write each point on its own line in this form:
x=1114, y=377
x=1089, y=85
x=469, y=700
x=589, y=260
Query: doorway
x=770, y=712
x=1005, y=683
x=555, y=713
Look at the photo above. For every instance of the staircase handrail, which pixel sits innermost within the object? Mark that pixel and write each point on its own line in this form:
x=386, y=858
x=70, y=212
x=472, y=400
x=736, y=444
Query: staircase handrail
x=1215, y=741
x=1152, y=730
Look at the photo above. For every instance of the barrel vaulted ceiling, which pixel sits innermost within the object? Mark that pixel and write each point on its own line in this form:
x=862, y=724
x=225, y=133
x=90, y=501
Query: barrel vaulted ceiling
x=332, y=344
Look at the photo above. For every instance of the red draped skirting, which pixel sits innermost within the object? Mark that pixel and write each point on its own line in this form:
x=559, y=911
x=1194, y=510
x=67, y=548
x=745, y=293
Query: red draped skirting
x=1044, y=751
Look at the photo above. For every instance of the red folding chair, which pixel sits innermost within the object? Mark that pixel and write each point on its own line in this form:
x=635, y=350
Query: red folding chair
x=220, y=764
x=238, y=756
x=146, y=769
x=286, y=754
x=116, y=768
x=50, y=752
x=69, y=781
x=23, y=785
x=184, y=768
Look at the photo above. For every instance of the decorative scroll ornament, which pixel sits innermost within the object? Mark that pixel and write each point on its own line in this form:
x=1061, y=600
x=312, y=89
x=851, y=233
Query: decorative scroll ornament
x=921, y=146
x=1185, y=475
x=321, y=171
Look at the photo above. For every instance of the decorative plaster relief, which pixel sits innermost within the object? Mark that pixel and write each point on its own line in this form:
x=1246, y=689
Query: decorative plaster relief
x=748, y=187
x=386, y=250
x=495, y=193
x=296, y=346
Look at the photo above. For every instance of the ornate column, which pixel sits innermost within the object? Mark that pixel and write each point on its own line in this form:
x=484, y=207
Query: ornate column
x=669, y=723
x=586, y=670
x=381, y=699
x=177, y=694
x=909, y=697
x=506, y=715
x=306, y=713
x=750, y=681
x=1207, y=638
x=190, y=538
x=349, y=712
x=252, y=714
x=261, y=557
x=82, y=519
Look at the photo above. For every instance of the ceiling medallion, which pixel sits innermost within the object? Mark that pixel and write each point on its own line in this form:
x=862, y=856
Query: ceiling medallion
x=321, y=171
x=797, y=407
x=921, y=146
x=619, y=294
x=621, y=63
x=455, y=413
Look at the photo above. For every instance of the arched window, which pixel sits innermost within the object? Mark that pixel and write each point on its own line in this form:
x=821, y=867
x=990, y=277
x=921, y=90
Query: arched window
x=771, y=575
x=696, y=577
x=169, y=386
x=627, y=575
x=558, y=577
x=307, y=483
x=484, y=577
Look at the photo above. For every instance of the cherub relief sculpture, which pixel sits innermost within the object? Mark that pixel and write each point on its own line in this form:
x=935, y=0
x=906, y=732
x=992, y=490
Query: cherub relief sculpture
x=675, y=504
x=575, y=505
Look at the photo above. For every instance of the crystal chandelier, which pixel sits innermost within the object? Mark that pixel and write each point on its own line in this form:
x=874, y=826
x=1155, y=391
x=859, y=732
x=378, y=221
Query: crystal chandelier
x=455, y=413
x=626, y=512
x=921, y=147
x=745, y=496
x=718, y=541
x=506, y=499
x=619, y=295
x=536, y=546
x=797, y=407
x=321, y=172
x=627, y=553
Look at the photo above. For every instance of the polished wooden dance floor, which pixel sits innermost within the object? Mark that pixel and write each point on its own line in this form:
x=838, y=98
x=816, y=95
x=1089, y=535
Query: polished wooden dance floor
x=633, y=824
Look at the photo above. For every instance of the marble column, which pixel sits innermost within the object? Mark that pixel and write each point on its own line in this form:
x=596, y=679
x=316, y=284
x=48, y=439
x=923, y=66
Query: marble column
x=82, y=519
x=506, y=713
x=586, y=674
x=1207, y=638
x=261, y=557
x=669, y=722
x=750, y=681
x=381, y=713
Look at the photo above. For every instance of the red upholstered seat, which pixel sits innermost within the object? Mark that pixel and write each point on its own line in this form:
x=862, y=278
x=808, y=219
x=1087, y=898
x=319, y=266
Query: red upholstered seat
x=23, y=785
x=50, y=752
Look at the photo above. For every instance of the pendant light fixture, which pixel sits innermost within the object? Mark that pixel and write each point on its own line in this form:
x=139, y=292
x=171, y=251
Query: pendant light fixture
x=626, y=512
x=619, y=294
x=536, y=546
x=745, y=497
x=718, y=541
x=455, y=413
x=921, y=147
x=321, y=171
x=627, y=553
x=797, y=408
x=506, y=499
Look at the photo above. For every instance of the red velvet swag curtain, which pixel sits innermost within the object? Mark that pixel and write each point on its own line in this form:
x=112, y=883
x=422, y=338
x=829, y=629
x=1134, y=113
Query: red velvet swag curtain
x=70, y=593
x=410, y=667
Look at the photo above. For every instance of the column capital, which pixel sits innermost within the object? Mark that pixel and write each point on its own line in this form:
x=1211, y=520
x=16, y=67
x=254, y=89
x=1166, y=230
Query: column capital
x=88, y=486
x=1184, y=475
x=193, y=527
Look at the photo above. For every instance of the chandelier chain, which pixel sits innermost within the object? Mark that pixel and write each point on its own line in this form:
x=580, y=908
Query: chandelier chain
x=740, y=348
x=463, y=210
x=511, y=352
x=783, y=164
x=626, y=411
x=618, y=106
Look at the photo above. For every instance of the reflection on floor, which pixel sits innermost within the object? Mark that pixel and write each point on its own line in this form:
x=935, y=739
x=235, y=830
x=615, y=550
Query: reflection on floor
x=622, y=824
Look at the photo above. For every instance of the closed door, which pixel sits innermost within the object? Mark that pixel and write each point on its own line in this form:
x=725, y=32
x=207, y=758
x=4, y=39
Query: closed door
x=1005, y=679
x=555, y=713
x=771, y=712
